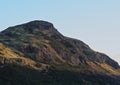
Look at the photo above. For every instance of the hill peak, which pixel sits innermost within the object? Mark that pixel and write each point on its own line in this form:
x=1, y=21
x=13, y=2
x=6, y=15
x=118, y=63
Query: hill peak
x=36, y=28
x=37, y=24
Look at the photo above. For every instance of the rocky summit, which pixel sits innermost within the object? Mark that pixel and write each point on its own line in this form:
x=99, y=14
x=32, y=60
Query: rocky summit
x=35, y=53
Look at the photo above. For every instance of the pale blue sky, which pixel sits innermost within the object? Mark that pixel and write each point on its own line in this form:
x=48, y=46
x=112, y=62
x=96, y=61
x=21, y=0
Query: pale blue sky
x=96, y=22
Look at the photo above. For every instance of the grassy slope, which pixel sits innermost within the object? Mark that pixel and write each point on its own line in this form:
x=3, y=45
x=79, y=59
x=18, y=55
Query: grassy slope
x=24, y=71
x=17, y=75
x=24, y=64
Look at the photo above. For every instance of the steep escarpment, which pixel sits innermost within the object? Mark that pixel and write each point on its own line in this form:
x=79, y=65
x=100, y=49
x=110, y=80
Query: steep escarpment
x=39, y=47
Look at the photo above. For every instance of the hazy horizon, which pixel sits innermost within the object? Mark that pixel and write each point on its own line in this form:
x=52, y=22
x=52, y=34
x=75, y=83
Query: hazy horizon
x=94, y=22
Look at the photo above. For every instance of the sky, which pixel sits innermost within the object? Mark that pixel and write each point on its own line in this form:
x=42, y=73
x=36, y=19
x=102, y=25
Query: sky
x=96, y=22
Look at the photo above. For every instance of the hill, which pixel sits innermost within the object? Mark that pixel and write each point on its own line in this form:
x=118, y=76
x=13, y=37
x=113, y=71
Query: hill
x=35, y=53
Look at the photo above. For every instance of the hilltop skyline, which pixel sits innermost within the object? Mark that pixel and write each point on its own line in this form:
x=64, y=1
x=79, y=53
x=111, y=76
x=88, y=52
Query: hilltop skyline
x=94, y=22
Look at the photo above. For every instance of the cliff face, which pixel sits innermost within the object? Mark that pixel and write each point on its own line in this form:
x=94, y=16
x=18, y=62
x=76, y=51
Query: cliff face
x=41, y=47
